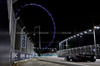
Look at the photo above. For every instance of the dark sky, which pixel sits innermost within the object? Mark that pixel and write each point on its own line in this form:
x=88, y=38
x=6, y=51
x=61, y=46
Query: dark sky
x=68, y=17
x=3, y=16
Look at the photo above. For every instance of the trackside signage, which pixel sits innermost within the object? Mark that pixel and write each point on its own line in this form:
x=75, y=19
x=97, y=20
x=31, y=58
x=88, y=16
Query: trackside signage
x=23, y=41
x=17, y=55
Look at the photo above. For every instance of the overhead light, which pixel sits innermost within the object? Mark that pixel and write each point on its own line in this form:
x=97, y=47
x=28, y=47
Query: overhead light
x=34, y=34
x=78, y=35
x=81, y=33
x=74, y=36
x=71, y=37
x=90, y=30
x=85, y=32
x=97, y=27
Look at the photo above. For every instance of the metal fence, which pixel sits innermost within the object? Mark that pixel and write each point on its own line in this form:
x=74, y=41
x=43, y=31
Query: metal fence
x=83, y=49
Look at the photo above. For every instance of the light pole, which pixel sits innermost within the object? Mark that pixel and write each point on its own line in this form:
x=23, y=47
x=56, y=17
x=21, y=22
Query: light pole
x=13, y=34
x=66, y=43
x=94, y=29
x=94, y=39
x=59, y=45
x=39, y=35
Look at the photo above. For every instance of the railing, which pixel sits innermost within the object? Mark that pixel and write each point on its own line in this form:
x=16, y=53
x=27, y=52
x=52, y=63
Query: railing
x=83, y=49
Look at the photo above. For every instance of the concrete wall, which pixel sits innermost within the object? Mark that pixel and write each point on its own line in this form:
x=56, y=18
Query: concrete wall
x=15, y=27
x=29, y=44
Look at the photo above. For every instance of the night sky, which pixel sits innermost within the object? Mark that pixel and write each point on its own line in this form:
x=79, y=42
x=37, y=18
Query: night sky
x=68, y=17
x=4, y=24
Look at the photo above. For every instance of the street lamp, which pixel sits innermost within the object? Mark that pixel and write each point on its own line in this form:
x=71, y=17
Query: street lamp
x=59, y=45
x=66, y=43
x=39, y=35
x=94, y=38
x=94, y=28
x=13, y=33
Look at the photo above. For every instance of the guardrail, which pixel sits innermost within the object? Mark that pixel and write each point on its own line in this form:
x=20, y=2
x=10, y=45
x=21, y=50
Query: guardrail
x=83, y=49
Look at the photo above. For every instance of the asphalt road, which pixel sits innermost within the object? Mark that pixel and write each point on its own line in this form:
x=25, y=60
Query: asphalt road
x=55, y=61
x=61, y=60
x=36, y=62
x=97, y=63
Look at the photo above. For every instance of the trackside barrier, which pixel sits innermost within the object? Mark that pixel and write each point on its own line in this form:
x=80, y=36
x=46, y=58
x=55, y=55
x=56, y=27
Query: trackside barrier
x=16, y=63
x=83, y=49
x=18, y=56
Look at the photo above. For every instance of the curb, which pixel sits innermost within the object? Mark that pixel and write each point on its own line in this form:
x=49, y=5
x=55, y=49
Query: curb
x=16, y=63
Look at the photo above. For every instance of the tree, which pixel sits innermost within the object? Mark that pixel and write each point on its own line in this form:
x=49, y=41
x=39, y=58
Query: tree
x=68, y=46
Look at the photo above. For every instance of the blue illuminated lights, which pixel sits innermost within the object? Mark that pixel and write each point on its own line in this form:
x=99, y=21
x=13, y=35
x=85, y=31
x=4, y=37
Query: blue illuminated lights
x=46, y=11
